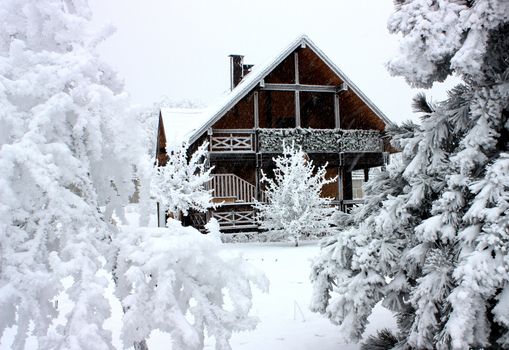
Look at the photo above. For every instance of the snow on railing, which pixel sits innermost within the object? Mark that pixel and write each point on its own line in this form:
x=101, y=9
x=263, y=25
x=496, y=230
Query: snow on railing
x=320, y=140
x=236, y=219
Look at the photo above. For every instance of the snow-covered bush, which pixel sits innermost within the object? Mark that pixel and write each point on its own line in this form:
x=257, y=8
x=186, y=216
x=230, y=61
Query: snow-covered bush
x=178, y=280
x=294, y=208
x=181, y=185
x=434, y=248
x=67, y=147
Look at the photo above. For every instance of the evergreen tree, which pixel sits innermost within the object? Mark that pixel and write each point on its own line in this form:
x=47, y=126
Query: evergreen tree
x=69, y=145
x=294, y=207
x=67, y=148
x=435, y=249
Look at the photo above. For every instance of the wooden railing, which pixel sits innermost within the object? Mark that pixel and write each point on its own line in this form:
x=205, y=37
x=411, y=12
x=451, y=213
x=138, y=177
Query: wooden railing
x=311, y=140
x=320, y=140
x=232, y=140
x=232, y=189
x=348, y=204
x=236, y=219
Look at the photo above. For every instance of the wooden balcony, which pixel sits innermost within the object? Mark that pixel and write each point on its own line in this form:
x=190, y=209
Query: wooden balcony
x=311, y=140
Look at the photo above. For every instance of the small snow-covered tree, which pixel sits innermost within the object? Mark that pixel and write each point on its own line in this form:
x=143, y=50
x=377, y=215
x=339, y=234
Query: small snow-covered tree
x=179, y=281
x=435, y=249
x=294, y=207
x=148, y=118
x=180, y=185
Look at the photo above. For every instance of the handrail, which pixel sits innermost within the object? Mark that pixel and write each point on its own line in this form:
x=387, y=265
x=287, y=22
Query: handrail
x=232, y=186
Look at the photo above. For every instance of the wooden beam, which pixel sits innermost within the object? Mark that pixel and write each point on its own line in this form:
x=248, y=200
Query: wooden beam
x=256, y=111
x=300, y=87
x=297, y=94
x=296, y=61
x=347, y=184
x=340, y=184
x=297, y=109
x=337, y=112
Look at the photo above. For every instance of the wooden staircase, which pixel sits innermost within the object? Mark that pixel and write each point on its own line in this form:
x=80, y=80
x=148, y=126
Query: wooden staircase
x=230, y=188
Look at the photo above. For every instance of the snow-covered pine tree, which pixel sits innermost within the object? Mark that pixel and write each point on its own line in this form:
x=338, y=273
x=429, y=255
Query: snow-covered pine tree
x=294, y=207
x=181, y=184
x=449, y=270
x=67, y=144
x=349, y=274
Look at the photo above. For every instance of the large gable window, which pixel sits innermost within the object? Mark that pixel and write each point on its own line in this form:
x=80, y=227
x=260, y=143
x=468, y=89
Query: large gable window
x=317, y=110
x=277, y=109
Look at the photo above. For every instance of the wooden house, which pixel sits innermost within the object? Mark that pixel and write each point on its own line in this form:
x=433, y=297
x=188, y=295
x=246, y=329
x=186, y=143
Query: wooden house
x=300, y=96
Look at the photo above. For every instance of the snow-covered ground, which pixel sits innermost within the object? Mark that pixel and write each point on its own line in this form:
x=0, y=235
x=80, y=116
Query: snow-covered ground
x=285, y=320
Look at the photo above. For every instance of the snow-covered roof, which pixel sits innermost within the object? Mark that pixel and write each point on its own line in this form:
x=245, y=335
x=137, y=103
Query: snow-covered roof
x=180, y=124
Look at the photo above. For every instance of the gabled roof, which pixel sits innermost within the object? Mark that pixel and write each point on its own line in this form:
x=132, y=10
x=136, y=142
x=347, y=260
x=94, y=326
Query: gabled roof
x=259, y=72
x=181, y=124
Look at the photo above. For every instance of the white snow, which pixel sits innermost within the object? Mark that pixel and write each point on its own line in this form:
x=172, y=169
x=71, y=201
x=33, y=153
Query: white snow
x=180, y=124
x=285, y=319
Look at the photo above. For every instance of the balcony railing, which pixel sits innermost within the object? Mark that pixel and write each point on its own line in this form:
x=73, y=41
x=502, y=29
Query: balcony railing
x=311, y=140
x=232, y=140
x=320, y=140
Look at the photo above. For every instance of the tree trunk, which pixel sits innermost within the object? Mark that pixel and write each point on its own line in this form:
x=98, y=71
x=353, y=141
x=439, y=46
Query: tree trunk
x=140, y=345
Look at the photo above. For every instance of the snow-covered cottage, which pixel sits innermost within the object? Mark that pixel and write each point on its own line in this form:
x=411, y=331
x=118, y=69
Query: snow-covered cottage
x=300, y=96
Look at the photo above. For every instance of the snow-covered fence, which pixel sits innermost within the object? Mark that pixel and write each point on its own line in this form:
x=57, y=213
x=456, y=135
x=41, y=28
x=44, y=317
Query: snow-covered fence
x=320, y=140
x=236, y=219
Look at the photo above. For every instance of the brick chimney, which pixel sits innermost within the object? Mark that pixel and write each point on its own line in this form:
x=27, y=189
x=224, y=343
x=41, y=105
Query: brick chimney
x=236, y=70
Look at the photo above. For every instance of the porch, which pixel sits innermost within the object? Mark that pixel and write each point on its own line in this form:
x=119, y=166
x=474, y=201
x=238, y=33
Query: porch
x=234, y=198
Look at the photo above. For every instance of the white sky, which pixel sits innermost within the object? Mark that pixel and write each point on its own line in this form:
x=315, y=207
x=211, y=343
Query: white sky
x=179, y=48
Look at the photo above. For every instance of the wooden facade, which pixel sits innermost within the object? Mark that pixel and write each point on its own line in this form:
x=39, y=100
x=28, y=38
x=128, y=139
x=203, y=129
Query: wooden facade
x=301, y=97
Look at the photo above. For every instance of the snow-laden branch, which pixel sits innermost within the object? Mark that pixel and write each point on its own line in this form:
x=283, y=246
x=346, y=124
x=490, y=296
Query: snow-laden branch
x=180, y=281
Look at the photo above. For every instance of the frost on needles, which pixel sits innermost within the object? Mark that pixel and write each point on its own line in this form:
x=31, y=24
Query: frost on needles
x=432, y=240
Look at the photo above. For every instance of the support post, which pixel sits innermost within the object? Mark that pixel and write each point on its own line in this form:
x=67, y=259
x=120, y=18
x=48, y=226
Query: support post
x=256, y=111
x=161, y=216
x=337, y=113
x=297, y=109
x=340, y=184
x=297, y=93
x=257, y=177
x=347, y=184
x=366, y=174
